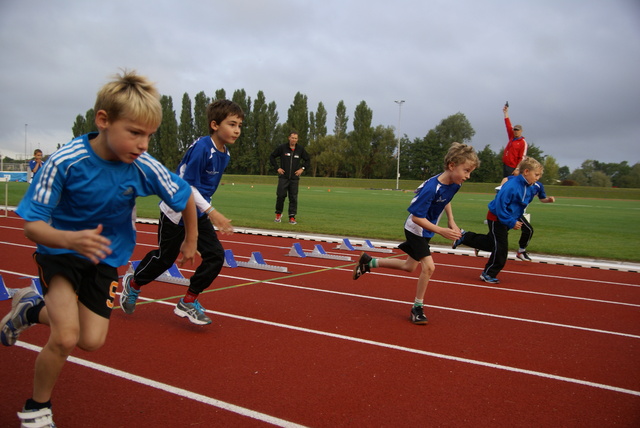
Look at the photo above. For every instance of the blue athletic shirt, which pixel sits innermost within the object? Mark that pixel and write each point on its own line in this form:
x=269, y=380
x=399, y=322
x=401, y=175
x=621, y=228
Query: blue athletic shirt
x=78, y=190
x=511, y=201
x=429, y=203
x=202, y=166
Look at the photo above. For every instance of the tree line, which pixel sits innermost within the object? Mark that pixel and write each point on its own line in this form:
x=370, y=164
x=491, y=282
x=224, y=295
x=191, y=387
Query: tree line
x=366, y=151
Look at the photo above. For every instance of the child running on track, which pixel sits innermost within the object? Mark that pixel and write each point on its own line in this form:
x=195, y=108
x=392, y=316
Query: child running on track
x=432, y=198
x=80, y=213
x=505, y=212
x=202, y=167
x=526, y=231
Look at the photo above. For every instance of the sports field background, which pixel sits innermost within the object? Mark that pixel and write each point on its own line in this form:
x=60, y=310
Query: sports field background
x=583, y=222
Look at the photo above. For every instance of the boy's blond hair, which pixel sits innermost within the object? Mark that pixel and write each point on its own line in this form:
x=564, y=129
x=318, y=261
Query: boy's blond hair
x=130, y=96
x=530, y=164
x=460, y=153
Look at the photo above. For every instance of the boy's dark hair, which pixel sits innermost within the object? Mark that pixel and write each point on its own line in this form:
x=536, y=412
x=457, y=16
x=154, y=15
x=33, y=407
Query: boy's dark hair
x=293, y=131
x=36, y=151
x=219, y=110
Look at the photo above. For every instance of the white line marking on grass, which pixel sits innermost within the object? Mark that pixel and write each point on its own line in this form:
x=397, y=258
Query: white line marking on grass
x=173, y=390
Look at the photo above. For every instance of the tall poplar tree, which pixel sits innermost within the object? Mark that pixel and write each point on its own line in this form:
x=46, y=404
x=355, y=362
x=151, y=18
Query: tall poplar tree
x=164, y=145
x=200, y=121
x=186, y=134
x=359, y=152
x=298, y=118
x=341, y=121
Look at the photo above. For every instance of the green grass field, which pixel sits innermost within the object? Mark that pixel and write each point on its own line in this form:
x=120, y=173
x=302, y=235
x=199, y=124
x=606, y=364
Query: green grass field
x=595, y=223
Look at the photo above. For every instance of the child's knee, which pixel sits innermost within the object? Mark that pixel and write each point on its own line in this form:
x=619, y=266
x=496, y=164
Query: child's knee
x=91, y=344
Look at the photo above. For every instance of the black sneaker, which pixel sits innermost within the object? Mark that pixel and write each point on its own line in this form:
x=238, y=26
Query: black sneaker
x=363, y=266
x=459, y=240
x=417, y=316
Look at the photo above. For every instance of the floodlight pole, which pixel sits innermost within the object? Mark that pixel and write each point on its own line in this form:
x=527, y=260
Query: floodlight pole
x=400, y=102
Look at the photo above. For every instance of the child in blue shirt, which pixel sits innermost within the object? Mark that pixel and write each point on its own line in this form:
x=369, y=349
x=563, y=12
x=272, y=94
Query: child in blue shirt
x=526, y=231
x=80, y=212
x=505, y=212
x=35, y=164
x=433, y=197
x=202, y=167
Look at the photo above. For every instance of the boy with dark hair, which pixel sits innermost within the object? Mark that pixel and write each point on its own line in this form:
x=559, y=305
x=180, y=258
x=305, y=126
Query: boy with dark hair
x=294, y=159
x=80, y=212
x=202, y=167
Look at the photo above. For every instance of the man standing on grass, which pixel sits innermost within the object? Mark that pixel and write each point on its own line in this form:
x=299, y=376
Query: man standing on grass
x=294, y=159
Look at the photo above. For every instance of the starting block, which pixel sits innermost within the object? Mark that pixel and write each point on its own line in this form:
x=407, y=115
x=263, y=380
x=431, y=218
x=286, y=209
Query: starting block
x=318, y=252
x=7, y=293
x=368, y=246
x=255, y=262
x=171, y=275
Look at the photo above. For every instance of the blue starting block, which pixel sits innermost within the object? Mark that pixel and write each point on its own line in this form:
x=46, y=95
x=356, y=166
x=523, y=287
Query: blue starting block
x=171, y=275
x=256, y=261
x=7, y=293
x=318, y=252
x=368, y=246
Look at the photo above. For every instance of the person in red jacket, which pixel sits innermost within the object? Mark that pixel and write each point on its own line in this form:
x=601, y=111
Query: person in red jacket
x=516, y=149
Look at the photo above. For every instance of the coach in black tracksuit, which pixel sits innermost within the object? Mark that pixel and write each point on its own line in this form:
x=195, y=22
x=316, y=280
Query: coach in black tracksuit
x=294, y=160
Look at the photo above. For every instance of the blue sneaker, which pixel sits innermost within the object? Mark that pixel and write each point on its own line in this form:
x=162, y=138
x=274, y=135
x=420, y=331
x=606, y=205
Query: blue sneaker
x=459, y=240
x=15, y=322
x=129, y=295
x=487, y=278
x=194, y=311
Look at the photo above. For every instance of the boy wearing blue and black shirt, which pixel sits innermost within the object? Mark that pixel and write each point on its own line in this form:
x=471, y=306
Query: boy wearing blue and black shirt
x=433, y=198
x=202, y=167
x=80, y=212
x=505, y=212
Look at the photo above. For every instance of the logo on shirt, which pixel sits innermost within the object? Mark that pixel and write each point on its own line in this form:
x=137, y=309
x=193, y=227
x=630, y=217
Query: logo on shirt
x=128, y=192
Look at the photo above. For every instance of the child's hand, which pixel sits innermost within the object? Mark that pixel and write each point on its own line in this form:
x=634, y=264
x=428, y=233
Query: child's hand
x=222, y=223
x=518, y=225
x=188, y=250
x=90, y=243
x=451, y=234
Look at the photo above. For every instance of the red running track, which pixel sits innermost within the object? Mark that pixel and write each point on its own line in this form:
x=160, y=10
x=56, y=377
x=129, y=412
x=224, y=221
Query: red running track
x=550, y=346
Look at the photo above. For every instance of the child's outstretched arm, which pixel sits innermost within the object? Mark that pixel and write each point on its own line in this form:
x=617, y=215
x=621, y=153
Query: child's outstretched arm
x=90, y=243
x=446, y=232
x=450, y=221
x=189, y=246
x=221, y=222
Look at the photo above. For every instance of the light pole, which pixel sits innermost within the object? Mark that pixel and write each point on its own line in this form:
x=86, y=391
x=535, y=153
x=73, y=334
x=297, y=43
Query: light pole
x=400, y=102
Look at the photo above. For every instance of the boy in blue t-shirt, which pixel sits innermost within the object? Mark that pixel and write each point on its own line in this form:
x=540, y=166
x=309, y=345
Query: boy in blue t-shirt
x=35, y=164
x=202, y=167
x=80, y=213
x=432, y=198
x=505, y=212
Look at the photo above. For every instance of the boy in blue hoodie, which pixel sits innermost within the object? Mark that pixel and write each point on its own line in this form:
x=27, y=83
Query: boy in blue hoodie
x=505, y=212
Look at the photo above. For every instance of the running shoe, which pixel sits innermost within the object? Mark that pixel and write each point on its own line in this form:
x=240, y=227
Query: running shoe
x=487, y=278
x=194, y=311
x=40, y=418
x=278, y=218
x=129, y=295
x=522, y=255
x=417, y=316
x=458, y=241
x=363, y=266
x=15, y=322
x=292, y=220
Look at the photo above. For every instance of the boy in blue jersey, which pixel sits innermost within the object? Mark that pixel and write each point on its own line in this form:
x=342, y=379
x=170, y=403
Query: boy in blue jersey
x=202, y=167
x=35, y=164
x=80, y=212
x=505, y=212
x=432, y=198
x=526, y=231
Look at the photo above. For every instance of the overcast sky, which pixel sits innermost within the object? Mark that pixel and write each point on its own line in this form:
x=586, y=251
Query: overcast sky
x=569, y=69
